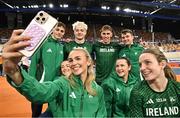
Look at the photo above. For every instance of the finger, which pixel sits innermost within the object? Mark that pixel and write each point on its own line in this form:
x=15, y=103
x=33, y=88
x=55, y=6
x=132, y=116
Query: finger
x=16, y=46
x=10, y=55
x=20, y=38
x=14, y=34
x=16, y=37
x=17, y=32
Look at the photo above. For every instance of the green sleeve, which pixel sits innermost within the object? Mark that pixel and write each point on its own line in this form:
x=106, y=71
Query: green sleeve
x=101, y=113
x=135, y=104
x=39, y=92
x=108, y=96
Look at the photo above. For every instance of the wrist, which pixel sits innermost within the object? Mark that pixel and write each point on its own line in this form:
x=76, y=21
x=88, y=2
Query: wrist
x=15, y=75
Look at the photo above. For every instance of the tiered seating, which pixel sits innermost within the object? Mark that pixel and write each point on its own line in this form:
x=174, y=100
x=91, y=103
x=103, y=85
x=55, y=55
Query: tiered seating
x=5, y=35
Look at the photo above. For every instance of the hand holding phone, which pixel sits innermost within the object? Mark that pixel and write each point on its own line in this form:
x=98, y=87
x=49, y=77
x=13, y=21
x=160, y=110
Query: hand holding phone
x=38, y=29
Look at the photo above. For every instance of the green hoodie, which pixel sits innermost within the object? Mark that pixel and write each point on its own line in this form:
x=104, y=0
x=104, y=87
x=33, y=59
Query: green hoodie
x=117, y=94
x=64, y=101
x=132, y=53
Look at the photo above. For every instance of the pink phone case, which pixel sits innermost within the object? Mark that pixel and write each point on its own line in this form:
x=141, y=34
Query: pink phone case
x=39, y=28
x=36, y=33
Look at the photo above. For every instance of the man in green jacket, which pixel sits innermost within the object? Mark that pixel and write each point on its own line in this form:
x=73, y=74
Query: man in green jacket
x=106, y=53
x=80, y=31
x=47, y=60
x=131, y=50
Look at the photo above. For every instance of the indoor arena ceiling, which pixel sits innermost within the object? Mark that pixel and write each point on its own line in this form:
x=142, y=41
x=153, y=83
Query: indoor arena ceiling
x=164, y=9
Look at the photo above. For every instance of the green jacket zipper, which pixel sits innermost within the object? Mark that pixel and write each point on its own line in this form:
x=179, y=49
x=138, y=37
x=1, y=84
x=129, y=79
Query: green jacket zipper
x=81, y=105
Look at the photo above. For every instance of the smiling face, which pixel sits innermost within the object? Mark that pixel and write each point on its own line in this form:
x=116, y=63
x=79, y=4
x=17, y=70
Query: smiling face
x=122, y=68
x=65, y=68
x=58, y=32
x=150, y=68
x=80, y=32
x=79, y=62
x=106, y=36
x=127, y=38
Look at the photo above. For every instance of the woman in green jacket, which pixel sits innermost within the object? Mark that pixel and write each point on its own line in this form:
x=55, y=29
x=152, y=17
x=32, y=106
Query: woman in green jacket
x=65, y=71
x=65, y=68
x=158, y=95
x=78, y=96
x=117, y=88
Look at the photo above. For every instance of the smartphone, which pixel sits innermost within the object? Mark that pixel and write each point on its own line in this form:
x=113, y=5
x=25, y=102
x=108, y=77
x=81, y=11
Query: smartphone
x=39, y=28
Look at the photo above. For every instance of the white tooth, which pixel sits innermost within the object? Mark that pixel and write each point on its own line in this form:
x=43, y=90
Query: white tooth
x=75, y=68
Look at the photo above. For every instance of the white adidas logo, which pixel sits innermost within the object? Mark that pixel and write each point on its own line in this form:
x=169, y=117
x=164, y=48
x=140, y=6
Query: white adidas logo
x=118, y=90
x=49, y=50
x=150, y=101
x=61, y=52
x=90, y=96
x=124, y=55
x=72, y=95
x=172, y=99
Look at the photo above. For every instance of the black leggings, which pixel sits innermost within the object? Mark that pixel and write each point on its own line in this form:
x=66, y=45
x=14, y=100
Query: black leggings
x=36, y=109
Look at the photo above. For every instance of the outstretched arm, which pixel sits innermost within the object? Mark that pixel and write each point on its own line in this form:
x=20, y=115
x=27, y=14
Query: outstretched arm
x=11, y=56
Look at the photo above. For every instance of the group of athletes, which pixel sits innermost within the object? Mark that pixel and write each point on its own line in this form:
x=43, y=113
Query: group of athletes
x=100, y=79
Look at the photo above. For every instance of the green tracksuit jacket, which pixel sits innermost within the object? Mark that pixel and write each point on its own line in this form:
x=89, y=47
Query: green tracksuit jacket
x=132, y=53
x=50, y=56
x=64, y=101
x=105, y=57
x=117, y=94
x=68, y=47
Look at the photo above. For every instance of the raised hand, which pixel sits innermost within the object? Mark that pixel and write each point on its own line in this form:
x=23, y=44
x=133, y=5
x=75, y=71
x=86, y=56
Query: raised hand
x=12, y=56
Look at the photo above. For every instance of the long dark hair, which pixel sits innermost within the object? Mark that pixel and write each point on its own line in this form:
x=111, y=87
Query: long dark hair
x=127, y=60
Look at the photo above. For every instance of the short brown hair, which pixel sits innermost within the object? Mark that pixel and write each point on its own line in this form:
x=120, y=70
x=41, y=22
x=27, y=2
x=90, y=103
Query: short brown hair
x=61, y=24
x=106, y=27
x=124, y=31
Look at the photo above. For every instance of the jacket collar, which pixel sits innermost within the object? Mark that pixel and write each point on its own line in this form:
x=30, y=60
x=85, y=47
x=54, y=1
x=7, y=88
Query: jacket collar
x=131, y=78
x=51, y=39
